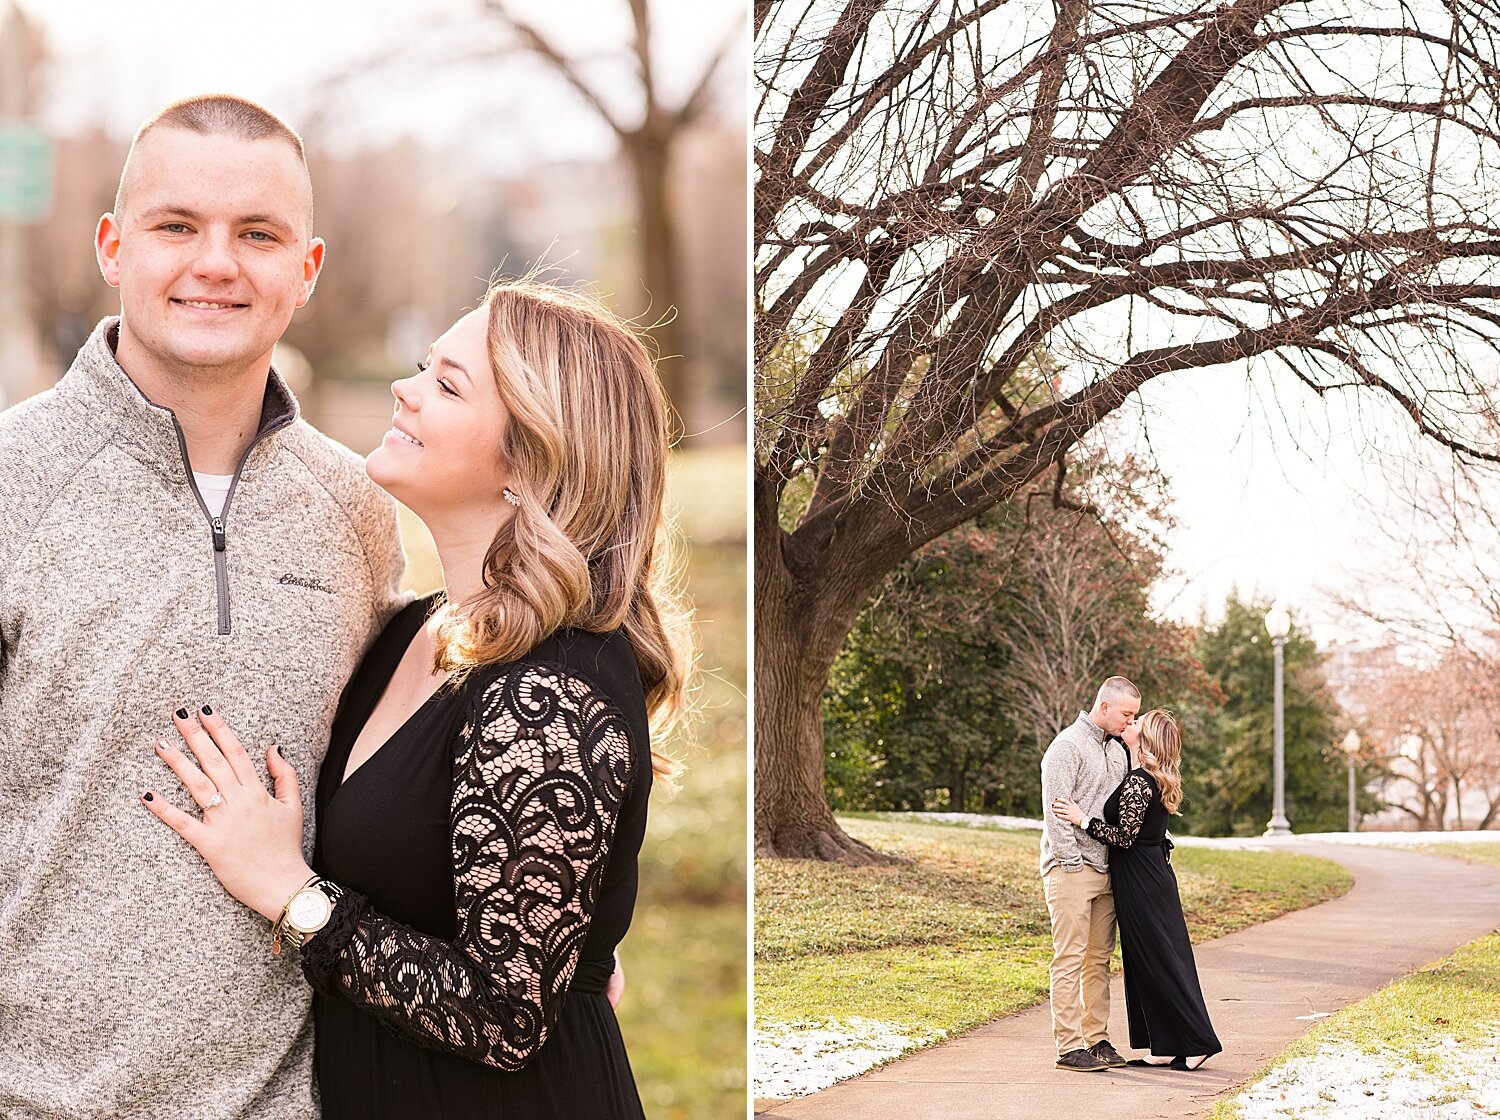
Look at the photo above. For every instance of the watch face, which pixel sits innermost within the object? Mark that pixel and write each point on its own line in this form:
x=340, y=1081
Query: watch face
x=309, y=910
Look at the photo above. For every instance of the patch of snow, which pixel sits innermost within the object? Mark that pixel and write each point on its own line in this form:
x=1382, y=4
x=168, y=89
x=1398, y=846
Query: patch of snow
x=1234, y=843
x=1248, y=843
x=984, y=820
x=1404, y=839
x=963, y=820
x=1342, y=1083
x=794, y=1059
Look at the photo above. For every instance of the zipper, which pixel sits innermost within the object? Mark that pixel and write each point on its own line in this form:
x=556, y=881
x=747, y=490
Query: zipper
x=216, y=524
x=221, y=563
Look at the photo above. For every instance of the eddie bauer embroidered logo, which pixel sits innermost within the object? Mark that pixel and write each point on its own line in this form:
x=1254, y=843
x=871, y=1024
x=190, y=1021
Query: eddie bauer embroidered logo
x=312, y=583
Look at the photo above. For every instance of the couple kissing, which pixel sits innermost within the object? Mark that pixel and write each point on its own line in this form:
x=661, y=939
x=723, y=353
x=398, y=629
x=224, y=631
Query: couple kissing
x=1110, y=780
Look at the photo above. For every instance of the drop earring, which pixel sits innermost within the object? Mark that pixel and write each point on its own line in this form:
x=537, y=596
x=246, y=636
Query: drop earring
x=511, y=496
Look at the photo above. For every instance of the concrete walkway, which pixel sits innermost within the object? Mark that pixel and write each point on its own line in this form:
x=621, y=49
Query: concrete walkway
x=1264, y=986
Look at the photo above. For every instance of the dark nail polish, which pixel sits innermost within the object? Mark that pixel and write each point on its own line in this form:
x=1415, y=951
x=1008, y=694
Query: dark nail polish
x=207, y=710
x=146, y=797
x=182, y=713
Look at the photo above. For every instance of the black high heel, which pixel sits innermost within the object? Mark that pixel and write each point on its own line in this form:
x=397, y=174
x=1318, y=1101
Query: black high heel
x=1180, y=1062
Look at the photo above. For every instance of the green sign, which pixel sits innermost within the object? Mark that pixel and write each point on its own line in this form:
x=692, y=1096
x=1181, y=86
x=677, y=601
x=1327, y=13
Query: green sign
x=25, y=173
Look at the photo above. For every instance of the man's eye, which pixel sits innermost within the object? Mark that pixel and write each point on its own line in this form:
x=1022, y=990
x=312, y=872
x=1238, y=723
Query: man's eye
x=175, y=227
x=258, y=235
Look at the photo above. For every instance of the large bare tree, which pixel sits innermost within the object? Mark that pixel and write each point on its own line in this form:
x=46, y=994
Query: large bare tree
x=1137, y=188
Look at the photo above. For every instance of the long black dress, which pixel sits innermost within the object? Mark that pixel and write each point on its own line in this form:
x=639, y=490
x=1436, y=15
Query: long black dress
x=489, y=850
x=1162, y=997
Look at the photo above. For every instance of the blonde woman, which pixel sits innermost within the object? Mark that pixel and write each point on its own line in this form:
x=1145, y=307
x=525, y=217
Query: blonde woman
x=1162, y=996
x=483, y=799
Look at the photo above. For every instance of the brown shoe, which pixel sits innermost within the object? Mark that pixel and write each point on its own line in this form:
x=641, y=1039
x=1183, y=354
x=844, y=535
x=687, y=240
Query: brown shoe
x=1106, y=1053
x=1081, y=1061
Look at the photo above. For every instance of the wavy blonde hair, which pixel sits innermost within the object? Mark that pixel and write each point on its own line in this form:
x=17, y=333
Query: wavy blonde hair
x=588, y=546
x=1161, y=755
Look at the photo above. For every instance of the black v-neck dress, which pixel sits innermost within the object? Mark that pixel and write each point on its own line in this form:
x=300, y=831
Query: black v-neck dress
x=1163, y=1000
x=489, y=851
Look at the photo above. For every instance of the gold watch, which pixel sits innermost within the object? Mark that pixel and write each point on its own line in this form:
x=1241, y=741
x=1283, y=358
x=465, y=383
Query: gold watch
x=305, y=913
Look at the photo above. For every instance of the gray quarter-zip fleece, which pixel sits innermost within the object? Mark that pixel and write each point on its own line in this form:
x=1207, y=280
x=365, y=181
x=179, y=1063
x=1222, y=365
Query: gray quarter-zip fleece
x=132, y=986
x=1085, y=764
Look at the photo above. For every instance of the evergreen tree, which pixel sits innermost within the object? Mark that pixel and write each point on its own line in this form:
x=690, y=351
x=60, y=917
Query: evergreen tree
x=984, y=644
x=1228, y=749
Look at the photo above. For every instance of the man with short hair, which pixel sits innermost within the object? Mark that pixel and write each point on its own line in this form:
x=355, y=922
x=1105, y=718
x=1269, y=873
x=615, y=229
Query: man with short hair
x=172, y=535
x=1086, y=762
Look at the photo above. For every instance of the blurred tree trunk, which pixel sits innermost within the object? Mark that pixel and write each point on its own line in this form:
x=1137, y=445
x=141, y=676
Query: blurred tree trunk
x=648, y=138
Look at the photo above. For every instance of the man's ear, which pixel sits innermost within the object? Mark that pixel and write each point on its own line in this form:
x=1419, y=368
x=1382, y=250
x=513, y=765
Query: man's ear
x=107, y=249
x=312, y=265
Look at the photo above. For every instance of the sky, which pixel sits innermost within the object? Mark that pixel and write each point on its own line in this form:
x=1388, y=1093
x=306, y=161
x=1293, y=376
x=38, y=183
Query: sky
x=1276, y=493
x=1284, y=495
x=118, y=63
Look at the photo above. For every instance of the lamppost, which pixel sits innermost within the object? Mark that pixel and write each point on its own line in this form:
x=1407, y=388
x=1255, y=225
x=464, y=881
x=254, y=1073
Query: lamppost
x=1351, y=751
x=1279, y=625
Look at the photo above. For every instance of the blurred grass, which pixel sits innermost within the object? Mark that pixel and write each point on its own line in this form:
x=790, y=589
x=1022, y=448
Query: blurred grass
x=960, y=935
x=685, y=1005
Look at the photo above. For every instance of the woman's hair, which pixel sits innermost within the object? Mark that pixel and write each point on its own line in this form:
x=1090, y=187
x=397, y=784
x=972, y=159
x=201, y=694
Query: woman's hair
x=1161, y=756
x=586, y=448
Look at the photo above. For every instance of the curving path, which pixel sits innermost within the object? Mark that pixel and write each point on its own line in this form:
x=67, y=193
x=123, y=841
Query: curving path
x=1265, y=986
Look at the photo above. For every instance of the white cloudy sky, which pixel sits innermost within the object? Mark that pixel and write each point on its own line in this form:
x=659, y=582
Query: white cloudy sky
x=118, y=62
x=1276, y=492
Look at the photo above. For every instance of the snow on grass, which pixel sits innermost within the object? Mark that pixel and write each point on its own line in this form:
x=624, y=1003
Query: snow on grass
x=1405, y=839
x=986, y=821
x=1246, y=843
x=794, y=1059
x=1341, y=1082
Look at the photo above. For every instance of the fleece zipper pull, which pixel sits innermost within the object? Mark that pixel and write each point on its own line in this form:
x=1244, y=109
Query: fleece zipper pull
x=218, y=527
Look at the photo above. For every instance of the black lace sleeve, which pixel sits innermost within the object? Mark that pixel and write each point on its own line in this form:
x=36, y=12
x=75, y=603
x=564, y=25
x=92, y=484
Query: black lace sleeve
x=540, y=771
x=1135, y=799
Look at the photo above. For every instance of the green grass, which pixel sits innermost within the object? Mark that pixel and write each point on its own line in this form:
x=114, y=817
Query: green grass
x=1482, y=852
x=960, y=935
x=1456, y=998
x=683, y=1015
x=684, y=1010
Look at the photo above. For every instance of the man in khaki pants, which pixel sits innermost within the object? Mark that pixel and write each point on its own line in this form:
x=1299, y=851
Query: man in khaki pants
x=1086, y=762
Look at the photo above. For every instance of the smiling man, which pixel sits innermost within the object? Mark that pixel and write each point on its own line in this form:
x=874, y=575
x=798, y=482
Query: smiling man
x=171, y=535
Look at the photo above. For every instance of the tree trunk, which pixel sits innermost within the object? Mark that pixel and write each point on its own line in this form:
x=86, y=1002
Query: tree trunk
x=958, y=792
x=650, y=157
x=797, y=638
x=1492, y=808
